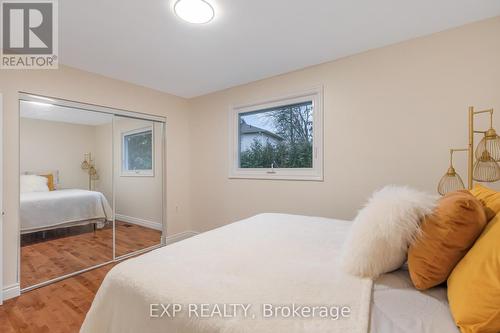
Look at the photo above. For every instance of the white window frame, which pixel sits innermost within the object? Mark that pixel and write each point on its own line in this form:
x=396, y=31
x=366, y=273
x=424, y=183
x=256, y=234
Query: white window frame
x=137, y=173
x=315, y=173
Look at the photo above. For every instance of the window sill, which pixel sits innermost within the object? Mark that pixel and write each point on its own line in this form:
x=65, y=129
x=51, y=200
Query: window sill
x=299, y=175
x=137, y=174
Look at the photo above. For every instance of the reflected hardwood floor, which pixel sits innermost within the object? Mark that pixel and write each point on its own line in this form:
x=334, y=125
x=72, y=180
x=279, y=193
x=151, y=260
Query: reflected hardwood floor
x=132, y=237
x=57, y=308
x=49, y=259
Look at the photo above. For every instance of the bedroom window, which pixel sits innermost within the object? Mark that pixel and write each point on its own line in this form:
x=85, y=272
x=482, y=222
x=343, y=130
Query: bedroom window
x=278, y=139
x=137, y=152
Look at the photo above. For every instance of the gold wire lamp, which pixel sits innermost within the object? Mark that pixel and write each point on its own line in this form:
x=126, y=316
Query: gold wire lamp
x=451, y=181
x=487, y=155
x=490, y=142
x=486, y=169
x=89, y=166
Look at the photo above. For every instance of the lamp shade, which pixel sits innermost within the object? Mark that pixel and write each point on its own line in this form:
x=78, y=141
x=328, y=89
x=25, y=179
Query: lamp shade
x=93, y=173
x=489, y=143
x=85, y=165
x=450, y=182
x=486, y=169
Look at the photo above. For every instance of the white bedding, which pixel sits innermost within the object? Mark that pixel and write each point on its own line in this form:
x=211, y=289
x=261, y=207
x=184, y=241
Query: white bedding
x=397, y=307
x=270, y=258
x=47, y=210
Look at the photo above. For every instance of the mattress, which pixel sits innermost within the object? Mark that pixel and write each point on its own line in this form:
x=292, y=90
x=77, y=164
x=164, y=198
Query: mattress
x=397, y=307
x=62, y=208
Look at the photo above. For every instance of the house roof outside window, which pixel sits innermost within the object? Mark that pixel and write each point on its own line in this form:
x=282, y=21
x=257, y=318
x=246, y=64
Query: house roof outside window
x=250, y=129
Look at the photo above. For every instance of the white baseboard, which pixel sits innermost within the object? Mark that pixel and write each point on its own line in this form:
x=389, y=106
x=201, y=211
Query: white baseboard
x=180, y=236
x=138, y=221
x=11, y=291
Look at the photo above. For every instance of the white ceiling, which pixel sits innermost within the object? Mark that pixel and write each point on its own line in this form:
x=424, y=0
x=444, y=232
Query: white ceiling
x=49, y=112
x=145, y=43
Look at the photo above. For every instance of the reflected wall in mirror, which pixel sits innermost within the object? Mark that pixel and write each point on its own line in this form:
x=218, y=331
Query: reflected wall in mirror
x=66, y=192
x=138, y=178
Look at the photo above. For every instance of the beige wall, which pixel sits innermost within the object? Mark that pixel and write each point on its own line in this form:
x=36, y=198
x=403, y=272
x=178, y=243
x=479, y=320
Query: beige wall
x=390, y=116
x=49, y=146
x=86, y=87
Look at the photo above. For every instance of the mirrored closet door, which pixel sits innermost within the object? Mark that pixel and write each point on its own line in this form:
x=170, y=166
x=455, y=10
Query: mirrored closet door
x=138, y=184
x=91, y=187
x=66, y=193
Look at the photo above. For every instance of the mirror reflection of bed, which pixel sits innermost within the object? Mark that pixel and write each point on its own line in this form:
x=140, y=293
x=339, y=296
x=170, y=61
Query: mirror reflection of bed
x=70, y=171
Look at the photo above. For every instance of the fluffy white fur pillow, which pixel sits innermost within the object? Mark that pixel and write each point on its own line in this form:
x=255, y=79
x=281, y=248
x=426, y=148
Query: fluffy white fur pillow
x=33, y=183
x=382, y=231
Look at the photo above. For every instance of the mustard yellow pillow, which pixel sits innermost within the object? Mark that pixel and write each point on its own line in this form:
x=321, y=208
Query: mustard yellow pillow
x=489, y=198
x=474, y=284
x=50, y=181
x=447, y=234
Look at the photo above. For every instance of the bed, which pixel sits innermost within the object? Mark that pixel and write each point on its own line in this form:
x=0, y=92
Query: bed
x=41, y=211
x=269, y=259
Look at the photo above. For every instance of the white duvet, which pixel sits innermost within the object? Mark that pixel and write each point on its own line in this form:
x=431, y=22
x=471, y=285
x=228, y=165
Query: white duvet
x=47, y=210
x=269, y=259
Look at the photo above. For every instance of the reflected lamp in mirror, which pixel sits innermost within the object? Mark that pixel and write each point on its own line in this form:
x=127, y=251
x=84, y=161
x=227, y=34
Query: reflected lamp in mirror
x=451, y=181
x=89, y=167
x=93, y=173
x=85, y=165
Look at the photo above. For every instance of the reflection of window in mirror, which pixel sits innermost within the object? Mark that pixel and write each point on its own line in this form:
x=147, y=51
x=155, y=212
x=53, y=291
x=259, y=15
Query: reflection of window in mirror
x=137, y=152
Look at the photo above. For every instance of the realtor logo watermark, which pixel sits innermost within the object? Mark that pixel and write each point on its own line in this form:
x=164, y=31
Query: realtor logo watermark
x=234, y=310
x=29, y=34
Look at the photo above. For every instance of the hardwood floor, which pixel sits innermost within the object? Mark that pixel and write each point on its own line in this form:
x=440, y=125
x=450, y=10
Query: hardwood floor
x=58, y=308
x=61, y=307
x=132, y=237
x=42, y=261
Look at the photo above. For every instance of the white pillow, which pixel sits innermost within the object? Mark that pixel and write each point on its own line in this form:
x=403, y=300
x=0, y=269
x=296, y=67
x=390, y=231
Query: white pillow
x=383, y=230
x=33, y=183
x=54, y=173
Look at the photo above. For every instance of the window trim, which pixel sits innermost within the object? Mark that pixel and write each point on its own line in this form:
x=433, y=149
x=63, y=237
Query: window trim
x=313, y=174
x=138, y=173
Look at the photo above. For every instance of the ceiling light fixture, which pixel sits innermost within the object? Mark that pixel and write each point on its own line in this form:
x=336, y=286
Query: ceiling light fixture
x=194, y=11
